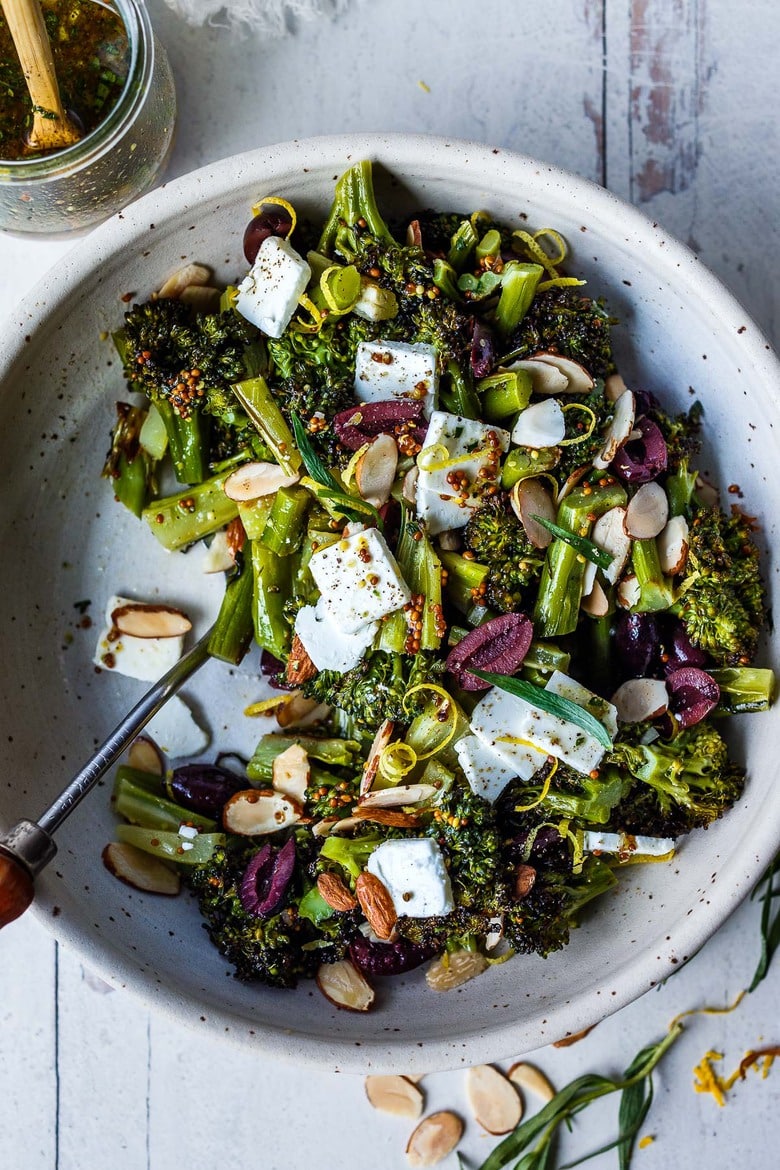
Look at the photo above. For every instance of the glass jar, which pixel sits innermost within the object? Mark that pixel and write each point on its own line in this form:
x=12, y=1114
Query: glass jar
x=85, y=183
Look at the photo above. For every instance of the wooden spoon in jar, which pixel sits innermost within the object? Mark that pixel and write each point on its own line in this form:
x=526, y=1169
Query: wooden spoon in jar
x=52, y=129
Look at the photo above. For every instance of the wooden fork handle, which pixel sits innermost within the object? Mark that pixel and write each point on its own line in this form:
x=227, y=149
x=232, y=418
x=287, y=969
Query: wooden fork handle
x=16, y=888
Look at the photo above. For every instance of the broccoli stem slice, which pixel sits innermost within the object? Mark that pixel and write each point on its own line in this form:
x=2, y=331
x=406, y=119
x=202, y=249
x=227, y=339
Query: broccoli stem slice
x=232, y=633
x=354, y=200
x=518, y=286
x=340, y=753
x=744, y=689
x=462, y=244
x=446, y=279
x=169, y=846
x=188, y=441
x=128, y=467
x=421, y=569
x=560, y=589
x=151, y=810
x=655, y=590
x=505, y=394
x=263, y=412
x=272, y=589
x=464, y=578
x=285, y=527
x=526, y=462
x=680, y=486
x=191, y=514
x=542, y=659
x=459, y=396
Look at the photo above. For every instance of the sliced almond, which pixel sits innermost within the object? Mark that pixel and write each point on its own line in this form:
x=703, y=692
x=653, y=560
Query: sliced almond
x=299, y=711
x=150, y=621
x=255, y=812
x=250, y=481
x=706, y=492
x=382, y=738
x=532, y=1080
x=531, y=498
x=336, y=825
x=673, y=546
x=647, y=512
x=413, y=234
x=409, y=489
x=496, y=1102
x=495, y=933
x=140, y=870
x=300, y=667
x=609, y=533
x=434, y=1138
x=578, y=380
x=188, y=274
x=235, y=535
x=452, y=971
x=291, y=771
x=628, y=592
x=395, y=1095
x=545, y=378
x=204, y=298
x=391, y=817
x=219, y=556
x=324, y=827
x=571, y=481
x=415, y=1078
x=377, y=904
x=542, y=424
x=345, y=986
x=145, y=756
x=375, y=470
x=334, y=891
x=398, y=796
x=451, y=540
x=614, y=387
x=639, y=699
x=596, y=603
x=618, y=431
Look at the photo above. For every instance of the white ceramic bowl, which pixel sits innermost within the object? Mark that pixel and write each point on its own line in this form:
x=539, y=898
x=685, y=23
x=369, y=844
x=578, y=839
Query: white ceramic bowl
x=65, y=541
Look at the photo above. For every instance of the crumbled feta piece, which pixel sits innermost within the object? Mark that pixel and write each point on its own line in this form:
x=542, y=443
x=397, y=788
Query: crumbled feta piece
x=625, y=845
x=495, y=721
x=269, y=293
x=601, y=709
x=175, y=730
x=144, y=658
x=189, y=832
x=415, y=876
x=456, y=448
x=396, y=369
x=327, y=643
x=359, y=580
x=486, y=773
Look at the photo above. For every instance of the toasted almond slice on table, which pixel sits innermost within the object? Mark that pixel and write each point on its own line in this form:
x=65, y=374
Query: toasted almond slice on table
x=609, y=533
x=382, y=738
x=345, y=986
x=452, y=971
x=415, y=1078
x=628, y=592
x=396, y=1095
x=639, y=699
x=434, y=1138
x=532, y=1080
x=400, y=795
x=145, y=756
x=376, y=904
x=496, y=1102
x=140, y=870
x=673, y=546
x=188, y=274
x=250, y=481
x=530, y=498
x=334, y=891
x=574, y=1038
x=545, y=378
x=290, y=772
x=147, y=620
x=578, y=380
x=254, y=812
x=618, y=431
x=375, y=470
x=647, y=512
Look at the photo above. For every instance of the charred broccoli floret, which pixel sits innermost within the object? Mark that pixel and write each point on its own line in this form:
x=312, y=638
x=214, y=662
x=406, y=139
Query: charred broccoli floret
x=564, y=321
x=721, y=595
x=497, y=539
x=270, y=950
x=465, y=827
x=376, y=687
x=580, y=454
x=542, y=921
x=678, y=786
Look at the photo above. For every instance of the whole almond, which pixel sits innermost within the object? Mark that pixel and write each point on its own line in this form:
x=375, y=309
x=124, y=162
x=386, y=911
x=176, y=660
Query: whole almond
x=300, y=667
x=525, y=876
x=333, y=891
x=376, y=904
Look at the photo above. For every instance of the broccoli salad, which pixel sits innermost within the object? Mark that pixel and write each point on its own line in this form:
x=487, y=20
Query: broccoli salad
x=502, y=616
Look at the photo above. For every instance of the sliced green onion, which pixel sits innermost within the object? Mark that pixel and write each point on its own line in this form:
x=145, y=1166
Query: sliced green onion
x=586, y=547
x=546, y=701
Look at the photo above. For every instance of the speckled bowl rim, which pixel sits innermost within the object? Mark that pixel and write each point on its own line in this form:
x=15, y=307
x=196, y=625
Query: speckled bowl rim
x=675, y=263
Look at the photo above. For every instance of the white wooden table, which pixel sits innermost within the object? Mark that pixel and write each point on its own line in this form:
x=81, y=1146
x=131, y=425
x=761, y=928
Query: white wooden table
x=670, y=103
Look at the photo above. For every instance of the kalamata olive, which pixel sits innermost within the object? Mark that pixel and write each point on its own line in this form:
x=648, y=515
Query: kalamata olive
x=204, y=788
x=270, y=221
x=388, y=958
x=499, y=646
x=694, y=693
x=483, y=350
x=637, y=639
x=273, y=671
x=267, y=879
x=682, y=652
x=642, y=459
x=359, y=424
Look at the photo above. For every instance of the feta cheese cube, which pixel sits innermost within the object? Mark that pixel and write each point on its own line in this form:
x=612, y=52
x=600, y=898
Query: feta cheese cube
x=601, y=709
x=396, y=369
x=456, y=445
x=415, y=876
x=496, y=722
x=359, y=580
x=625, y=845
x=327, y=643
x=486, y=773
x=269, y=293
x=175, y=730
x=144, y=658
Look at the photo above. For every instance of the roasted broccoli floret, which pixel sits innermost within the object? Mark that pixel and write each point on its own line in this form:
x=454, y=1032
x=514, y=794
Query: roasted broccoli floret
x=678, y=786
x=270, y=950
x=376, y=687
x=542, y=921
x=497, y=539
x=562, y=320
x=582, y=453
x=721, y=595
x=465, y=827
